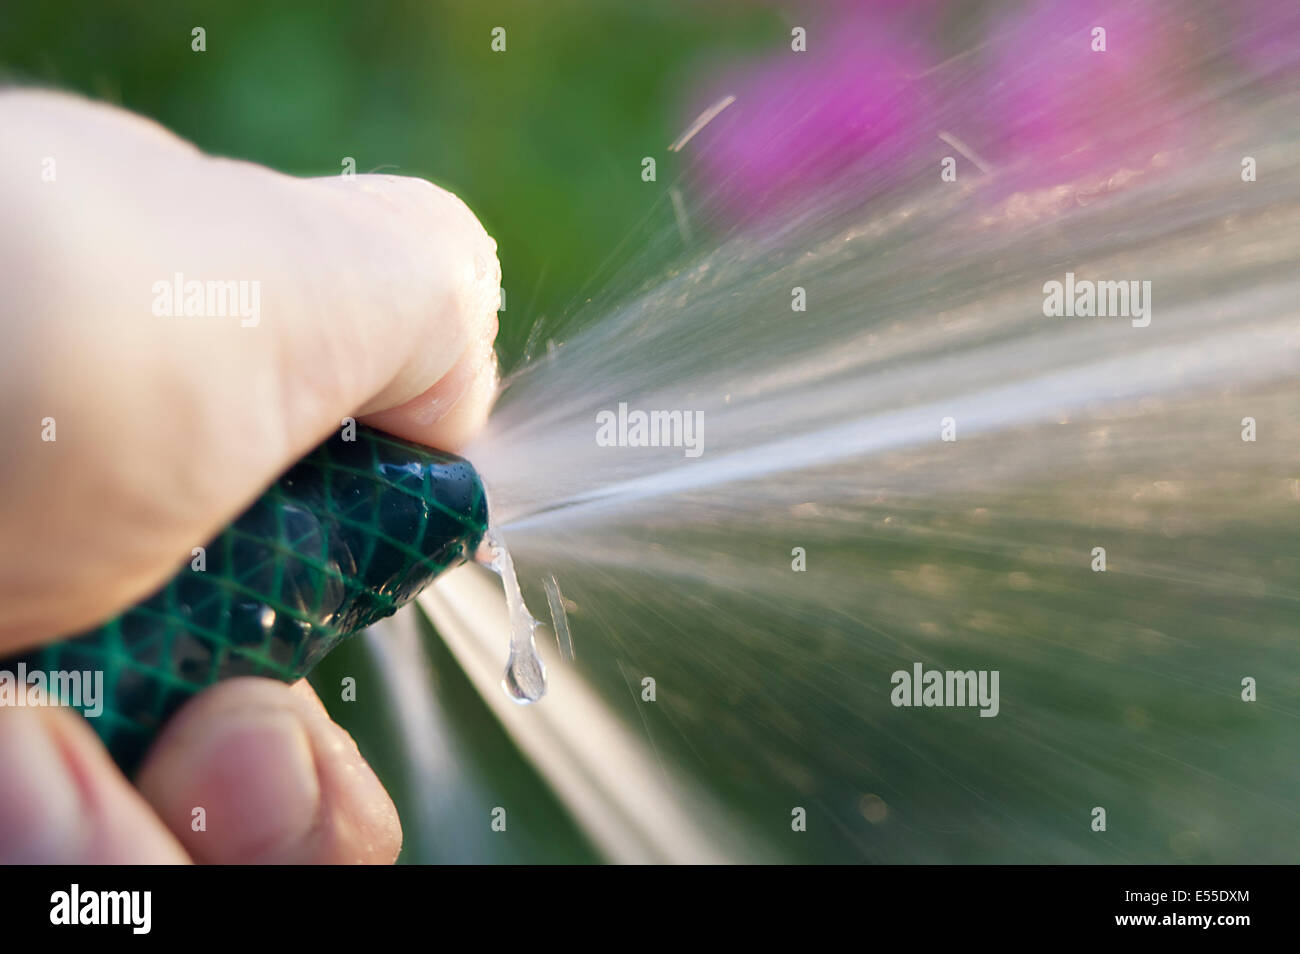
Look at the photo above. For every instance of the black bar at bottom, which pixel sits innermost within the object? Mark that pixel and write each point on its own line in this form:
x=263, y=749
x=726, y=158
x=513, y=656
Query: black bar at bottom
x=211, y=905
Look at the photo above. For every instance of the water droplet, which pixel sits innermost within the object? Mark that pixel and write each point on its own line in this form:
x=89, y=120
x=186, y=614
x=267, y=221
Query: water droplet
x=525, y=678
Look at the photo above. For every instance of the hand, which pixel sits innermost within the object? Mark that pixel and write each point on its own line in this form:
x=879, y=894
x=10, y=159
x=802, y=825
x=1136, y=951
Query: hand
x=369, y=296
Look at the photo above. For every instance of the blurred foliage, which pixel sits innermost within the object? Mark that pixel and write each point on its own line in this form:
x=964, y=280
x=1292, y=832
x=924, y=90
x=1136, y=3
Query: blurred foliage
x=543, y=141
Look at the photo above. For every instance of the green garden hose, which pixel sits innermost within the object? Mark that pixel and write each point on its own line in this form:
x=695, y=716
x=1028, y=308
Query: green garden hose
x=344, y=538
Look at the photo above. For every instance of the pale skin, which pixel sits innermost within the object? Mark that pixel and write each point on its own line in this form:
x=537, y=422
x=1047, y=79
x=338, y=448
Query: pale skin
x=378, y=301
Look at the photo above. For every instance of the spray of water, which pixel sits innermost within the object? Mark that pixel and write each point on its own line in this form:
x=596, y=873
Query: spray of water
x=920, y=468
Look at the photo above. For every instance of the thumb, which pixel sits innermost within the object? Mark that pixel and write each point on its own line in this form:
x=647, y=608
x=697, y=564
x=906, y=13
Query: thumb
x=190, y=326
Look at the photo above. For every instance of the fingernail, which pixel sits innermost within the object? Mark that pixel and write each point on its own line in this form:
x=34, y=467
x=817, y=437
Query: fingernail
x=365, y=825
x=434, y=416
x=41, y=810
x=249, y=776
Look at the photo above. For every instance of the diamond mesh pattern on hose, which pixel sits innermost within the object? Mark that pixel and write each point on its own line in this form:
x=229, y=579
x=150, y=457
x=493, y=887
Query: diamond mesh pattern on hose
x=344, y=538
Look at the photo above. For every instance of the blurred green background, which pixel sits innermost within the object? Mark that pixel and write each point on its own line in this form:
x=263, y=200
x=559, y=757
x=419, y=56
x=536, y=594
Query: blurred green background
x=543, y=141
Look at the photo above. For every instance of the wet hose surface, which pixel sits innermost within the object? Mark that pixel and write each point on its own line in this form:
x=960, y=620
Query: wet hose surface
x=344, y=538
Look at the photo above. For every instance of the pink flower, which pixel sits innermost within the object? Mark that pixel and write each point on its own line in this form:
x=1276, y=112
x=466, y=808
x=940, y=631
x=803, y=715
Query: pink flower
x=1266, y=33
x=1056, y=103
x=853, y=104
